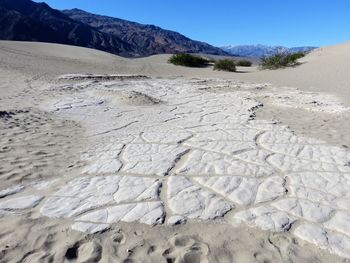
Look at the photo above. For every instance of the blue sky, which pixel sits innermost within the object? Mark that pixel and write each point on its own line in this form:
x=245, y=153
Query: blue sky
x=221, y=22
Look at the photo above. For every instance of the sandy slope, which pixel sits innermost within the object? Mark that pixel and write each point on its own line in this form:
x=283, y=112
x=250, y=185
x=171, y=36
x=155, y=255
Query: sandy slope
x=325, y=69
x=40, y=145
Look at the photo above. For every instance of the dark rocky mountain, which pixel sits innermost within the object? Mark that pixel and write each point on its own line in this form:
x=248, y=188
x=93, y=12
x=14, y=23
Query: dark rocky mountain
x=29, y=21
x=258, y=51
x=147, y=39
x=25, y=20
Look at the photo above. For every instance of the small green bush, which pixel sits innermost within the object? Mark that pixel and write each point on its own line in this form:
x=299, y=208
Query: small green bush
x=188, y=60
x=281, y=60
x=297, y=55
x=225, y=65
x=244, y=63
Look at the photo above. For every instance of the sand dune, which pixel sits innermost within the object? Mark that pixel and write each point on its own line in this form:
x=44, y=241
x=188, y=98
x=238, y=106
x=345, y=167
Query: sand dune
x=107, y=159
x=323, y=70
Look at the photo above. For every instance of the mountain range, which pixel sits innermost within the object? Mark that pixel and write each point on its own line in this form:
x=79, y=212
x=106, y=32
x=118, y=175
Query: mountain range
x=25, y=20
x=262, y=50
x=146, y=39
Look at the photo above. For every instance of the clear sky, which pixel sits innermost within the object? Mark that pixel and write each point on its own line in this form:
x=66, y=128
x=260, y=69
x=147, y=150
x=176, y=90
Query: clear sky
x=221, y=22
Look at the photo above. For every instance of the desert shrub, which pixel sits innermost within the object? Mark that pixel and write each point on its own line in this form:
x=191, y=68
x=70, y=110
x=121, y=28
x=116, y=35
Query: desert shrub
x=244, y=63
x=225, y=65
x=297, y=55
x=281, y=60
x=188, y=60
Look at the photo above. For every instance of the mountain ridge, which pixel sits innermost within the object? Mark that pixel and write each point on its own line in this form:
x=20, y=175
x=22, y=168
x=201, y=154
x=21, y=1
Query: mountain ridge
x=147, y=39
x=260, y=50
x=25, y=20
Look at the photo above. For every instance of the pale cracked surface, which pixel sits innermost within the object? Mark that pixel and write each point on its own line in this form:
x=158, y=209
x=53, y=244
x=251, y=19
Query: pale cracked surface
x=83, y=194
x=179, y=150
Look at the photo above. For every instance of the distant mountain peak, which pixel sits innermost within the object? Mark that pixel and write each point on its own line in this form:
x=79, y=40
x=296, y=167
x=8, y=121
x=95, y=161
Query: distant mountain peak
x=260, y=50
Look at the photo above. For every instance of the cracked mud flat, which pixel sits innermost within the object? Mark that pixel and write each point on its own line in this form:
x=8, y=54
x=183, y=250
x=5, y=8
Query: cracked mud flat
x=176, y=151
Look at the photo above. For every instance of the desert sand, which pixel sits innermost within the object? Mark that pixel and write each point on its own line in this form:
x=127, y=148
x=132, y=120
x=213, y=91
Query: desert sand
x=107, y=159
